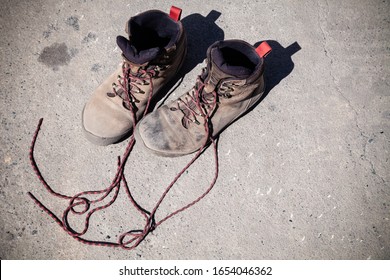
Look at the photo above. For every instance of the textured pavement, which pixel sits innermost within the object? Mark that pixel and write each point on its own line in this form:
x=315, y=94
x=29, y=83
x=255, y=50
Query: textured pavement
x=304, y=175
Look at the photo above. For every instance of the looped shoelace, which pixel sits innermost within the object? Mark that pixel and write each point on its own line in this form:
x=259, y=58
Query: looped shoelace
x=129, y=82
x=132, y=238
x=196, y=103
x=226, y=89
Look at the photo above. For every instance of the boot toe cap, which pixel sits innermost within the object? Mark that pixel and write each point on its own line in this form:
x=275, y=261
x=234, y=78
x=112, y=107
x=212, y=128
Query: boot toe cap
x=150, y=131
x=102, y=127
x=162, y=137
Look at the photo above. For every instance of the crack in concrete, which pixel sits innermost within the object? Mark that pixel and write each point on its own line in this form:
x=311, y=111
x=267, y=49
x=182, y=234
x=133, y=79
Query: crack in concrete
x=365, y=137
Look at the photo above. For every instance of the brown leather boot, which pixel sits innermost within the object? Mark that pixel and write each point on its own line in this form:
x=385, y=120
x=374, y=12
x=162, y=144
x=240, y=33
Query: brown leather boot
x=229, y=86
x=151, y=57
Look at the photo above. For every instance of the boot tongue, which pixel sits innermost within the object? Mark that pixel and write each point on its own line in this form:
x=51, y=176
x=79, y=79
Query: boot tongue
x=215, y=73
x=226, y=69
x=133, y=55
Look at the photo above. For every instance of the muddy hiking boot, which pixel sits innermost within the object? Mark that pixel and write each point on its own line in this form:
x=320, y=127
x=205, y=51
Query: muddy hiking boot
x=152, y=56
x=230, y=84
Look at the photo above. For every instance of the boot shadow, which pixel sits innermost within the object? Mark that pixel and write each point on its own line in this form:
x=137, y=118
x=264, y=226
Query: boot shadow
x=278, y=64
x=202, y=31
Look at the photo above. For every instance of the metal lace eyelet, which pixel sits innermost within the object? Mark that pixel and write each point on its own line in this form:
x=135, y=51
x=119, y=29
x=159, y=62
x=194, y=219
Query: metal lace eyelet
x=110, y=94
x=126, y=105
x=227, y=95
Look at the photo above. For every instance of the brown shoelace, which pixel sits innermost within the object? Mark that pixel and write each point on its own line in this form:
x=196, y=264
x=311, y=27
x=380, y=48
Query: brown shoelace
x=132, y=238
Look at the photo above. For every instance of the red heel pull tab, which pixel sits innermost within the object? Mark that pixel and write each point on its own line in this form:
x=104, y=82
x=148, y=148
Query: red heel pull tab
x=175, y=13
x=263, y=49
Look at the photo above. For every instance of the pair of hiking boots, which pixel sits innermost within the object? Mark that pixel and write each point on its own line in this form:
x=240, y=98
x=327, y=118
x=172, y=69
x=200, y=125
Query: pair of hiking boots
x=230, y=84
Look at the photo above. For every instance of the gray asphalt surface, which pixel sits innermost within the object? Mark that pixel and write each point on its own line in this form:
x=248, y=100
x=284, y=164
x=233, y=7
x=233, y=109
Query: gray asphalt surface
x=304, y=175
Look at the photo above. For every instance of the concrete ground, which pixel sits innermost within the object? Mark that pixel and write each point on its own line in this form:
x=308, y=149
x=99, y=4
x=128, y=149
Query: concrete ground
x=304, y=175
